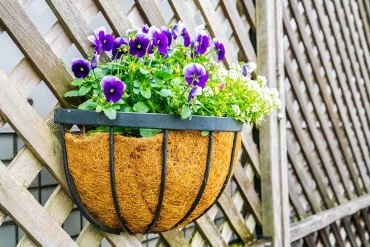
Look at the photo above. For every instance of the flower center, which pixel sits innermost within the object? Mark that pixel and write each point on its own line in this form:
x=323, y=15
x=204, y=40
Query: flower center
x=158, y=42
x=82, y=69
x=105, y=41
x=111, y=91
x=195, y=77
x=138, y=46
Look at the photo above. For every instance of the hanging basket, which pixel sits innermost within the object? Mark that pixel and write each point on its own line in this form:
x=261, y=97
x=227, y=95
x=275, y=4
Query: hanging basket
x=154, y=184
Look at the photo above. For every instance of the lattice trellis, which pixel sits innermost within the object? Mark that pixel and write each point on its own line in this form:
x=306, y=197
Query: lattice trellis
x=327, y=61
x=43, y=45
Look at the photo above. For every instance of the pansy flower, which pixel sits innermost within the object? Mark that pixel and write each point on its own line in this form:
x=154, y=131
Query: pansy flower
x=145, y=28
x=248, y=68
x=139, y=45
x=80, y=67
x=112, y=88
x=195, y=91
x=95, y=42
x=105, y=39
x=195, y=74
x=160, y=41
x=118, y=48
x=220, y=49
x=177, y=29
x=202, y=42
x=168, y=33
x=95, y=60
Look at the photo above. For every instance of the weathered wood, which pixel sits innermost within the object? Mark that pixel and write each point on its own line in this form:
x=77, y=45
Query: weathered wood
x=327, y=217
x=18, y=203
x=115, y=16
x=239, y=29
x=235, y=219
x=275, y=218
x=250, y=13
x=210, y=232
x=174, y=238
x=151, y=12
x=251, y=149
x=182, y=12
x=89, y=237
x=35, y=48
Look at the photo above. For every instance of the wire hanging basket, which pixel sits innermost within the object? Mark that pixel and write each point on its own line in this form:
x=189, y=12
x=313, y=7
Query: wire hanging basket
x=169, y=124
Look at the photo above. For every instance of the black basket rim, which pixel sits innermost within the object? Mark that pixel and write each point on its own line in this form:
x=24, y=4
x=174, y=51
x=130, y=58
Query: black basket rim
x=146, y=120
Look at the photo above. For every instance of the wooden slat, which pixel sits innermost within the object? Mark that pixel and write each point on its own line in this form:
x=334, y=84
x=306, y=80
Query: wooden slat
x=151, y=12
x=18, y=203
x=58, y=206
x=252, y=198
x=250, y=13
x=174, y=238
x=73, y=23
x=115, y=16
x=234, y=218
x=327, y=217
x=239, y=29
x=182, y=12
x=35, y=48
x=89, y=237
x=210, y=232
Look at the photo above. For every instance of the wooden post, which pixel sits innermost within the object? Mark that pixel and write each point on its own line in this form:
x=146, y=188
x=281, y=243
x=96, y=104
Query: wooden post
x=273, y=155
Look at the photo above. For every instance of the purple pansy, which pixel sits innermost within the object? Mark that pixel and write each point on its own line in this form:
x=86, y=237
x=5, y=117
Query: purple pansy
x=105, y=39
x=112, y=88
x=95, y=60
x=177, y=29
x=220, y=49
x=139, y=45
x=118, y=49
x=95, y=43
x=167, y=31
x=248, y=68
x=145, y=28
x=195, y=91
x=195, y=74
x=186, y=36
x=80, y=67
x=202, y=42
x=160, y=40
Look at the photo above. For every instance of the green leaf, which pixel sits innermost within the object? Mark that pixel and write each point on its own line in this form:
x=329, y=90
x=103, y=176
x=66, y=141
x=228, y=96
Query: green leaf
x=205, y=133
x=136, y=90
x=185, y=112
x=166, y=92
x=111, y=113
x=149, y=132
x=127, y=109
x=99, y=108
x=84, y=90
x=141, y=107
x=88, y=105
x=143, y=71
x=162, y=75
x=73, y=93
x=78, y=82
x=137, y=83
x=146, y=93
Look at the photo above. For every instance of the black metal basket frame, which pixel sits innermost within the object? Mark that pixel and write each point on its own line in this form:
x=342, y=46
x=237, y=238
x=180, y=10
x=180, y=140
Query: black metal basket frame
x=165, y=122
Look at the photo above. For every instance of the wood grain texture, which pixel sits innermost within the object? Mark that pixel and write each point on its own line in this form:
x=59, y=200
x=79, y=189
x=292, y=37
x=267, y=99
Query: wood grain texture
x=151, y=12
x=174, y=238
x=35, y=48
x=18, y=203
x=210, y=232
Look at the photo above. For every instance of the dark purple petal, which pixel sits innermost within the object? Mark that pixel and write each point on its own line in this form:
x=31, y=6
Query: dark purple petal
x=220, y=49
x=177, y=29
x=95, y=43
x=80, y=67
x=202, y=43
x=119, y=48
x=145, y=28
x=112, y=88
x=107, y=42
x=195, y=74
x=167, y=31
x=160, y=40
x=94, y=61
x=195, y=91
x=186, y=36
x=138, y=46
x=248, y=68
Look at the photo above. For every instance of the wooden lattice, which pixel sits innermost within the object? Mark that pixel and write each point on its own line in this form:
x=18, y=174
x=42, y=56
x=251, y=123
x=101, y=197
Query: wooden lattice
x=233, y=22
x=327, y=61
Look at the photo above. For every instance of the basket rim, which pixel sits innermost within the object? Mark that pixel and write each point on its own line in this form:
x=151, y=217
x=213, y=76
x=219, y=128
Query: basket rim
x=146, y=120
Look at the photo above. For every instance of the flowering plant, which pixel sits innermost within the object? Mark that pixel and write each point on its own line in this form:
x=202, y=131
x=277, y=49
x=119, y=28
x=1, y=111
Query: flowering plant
x=165, y=70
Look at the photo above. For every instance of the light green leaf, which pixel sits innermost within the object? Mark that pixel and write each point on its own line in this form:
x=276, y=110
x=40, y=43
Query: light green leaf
x=111, y=113
x=146, y=93
x=144, y=71
x=84, y=90
x=141, y=107
x=73, y=93
x=136, y=90
x=162, y=75
x=127, y=109
x=166, y=92
x=205, y=133
x=78, y=82
x=99, y=108
x=149, y=132
x=185, y=112
x=88, y=105
x=137, y=83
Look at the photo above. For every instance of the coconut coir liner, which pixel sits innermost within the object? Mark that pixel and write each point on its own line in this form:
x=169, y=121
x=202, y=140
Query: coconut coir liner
x=138, y=164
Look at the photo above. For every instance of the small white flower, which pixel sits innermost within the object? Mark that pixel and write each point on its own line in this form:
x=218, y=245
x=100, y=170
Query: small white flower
x=208, y=92
x=261, y=80
x=236, y=109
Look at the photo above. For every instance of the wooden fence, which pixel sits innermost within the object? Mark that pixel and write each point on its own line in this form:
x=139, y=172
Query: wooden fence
x=233, y=22
x=318, y=145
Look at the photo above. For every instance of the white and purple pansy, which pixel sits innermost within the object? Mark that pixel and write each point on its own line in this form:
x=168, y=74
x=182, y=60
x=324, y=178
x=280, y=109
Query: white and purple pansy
x=80, y=67
x=113, y=88
x=248, y=68
x=139, y=46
